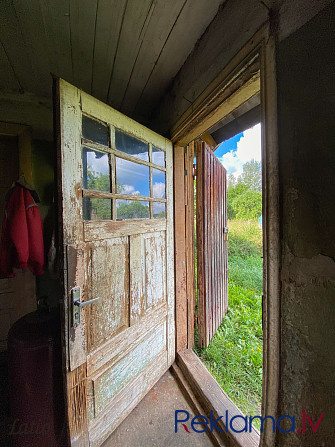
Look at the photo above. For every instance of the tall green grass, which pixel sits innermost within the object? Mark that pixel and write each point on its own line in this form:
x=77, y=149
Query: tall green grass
x=234, y=356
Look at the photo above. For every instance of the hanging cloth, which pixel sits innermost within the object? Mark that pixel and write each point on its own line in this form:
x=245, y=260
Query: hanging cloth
x=22, y=233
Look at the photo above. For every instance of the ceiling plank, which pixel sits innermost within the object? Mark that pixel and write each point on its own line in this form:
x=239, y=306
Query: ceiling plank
x=83, y=25
x=57, y=29
x=134, y=26
x=109, y=21
x=8, y=80
x=32, y=27
x=161, y=25
x=197, y=14
x=13, y=42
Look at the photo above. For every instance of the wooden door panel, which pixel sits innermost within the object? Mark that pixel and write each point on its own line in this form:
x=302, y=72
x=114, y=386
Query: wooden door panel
x=125, y=340
x=211, y=221
x=124, y=401
x=108, y=271
x=114, y=349
x=109, y=383
x=155, y=269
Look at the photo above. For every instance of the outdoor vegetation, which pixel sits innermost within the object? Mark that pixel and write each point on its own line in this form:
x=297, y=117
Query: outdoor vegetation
x=234, y=356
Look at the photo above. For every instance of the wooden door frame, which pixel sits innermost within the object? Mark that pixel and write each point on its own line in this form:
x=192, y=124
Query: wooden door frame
x=206, y=110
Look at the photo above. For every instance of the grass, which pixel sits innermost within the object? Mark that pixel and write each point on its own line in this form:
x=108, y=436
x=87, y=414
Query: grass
x=234, y=356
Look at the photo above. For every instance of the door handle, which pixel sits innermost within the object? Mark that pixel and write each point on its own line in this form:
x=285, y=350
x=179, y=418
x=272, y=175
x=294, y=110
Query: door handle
x=77, y=304
x=85, y=303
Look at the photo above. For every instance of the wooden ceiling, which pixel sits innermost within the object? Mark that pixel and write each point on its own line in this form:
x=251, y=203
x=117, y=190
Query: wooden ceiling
x=124, y=52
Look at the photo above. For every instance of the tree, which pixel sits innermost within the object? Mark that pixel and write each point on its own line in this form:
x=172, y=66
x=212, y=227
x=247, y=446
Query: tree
x=241, y=205
x=232, y=193
x=132, y=210
x=248, y=205
x=232, y=181
x=252, y=175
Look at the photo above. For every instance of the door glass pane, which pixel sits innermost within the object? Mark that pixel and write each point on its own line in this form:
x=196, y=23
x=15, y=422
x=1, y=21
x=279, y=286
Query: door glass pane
x=131, y=145
x=158, y=157
x=128, y=209
x=97, y=209
x=132, y=178
x=159, y=210
x=158, y=184
x=96, y=174
x=95, y=131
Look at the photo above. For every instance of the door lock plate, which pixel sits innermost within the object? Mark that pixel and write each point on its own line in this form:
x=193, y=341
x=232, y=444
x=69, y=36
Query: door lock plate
x=75, y=297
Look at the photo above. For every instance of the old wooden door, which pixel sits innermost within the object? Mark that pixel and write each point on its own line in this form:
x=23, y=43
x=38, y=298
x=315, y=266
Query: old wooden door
x=212, y=232
x=116, y=228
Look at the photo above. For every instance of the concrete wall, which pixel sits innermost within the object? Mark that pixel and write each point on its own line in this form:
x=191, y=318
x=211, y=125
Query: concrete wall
x=306, y=117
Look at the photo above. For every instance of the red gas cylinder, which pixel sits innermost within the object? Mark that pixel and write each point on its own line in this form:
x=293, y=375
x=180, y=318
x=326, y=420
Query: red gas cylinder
x=35, y=382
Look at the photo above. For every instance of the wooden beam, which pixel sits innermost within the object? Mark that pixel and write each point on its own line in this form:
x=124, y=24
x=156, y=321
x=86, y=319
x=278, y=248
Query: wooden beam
x=180, y=249
x=230, y=98
x=208, y=139
x=189, y=234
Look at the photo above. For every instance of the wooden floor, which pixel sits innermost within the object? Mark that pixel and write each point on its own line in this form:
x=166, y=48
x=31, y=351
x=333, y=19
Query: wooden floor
x=151, y=423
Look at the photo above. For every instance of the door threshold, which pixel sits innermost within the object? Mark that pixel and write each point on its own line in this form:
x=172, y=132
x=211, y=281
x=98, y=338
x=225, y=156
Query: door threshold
x=207, y=395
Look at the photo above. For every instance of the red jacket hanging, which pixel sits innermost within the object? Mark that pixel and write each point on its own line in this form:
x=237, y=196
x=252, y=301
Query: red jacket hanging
x=22, y=235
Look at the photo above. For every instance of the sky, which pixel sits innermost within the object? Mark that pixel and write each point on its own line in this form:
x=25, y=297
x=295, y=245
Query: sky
x=236, y=151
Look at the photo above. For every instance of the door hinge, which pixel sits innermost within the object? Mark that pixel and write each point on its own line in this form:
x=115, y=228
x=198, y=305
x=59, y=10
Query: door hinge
x=185, y=171
x=194, y=170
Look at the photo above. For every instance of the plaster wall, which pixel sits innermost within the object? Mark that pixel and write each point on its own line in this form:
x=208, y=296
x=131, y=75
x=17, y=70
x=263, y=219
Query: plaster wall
x=306, y=110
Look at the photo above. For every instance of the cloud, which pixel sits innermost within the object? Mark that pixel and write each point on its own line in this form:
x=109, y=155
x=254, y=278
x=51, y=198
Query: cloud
x=248, y=148
x=158, y=158
x=159, y=190
x=130, y=190
x=99, y=165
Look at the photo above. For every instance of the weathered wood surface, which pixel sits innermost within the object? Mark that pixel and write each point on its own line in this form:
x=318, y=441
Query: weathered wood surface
x=184, y=246
x=180, y=249
x=109, y=195
x=96, y=230
x=189, y=234
x=126, y=339
x=123, y=52
x=211, y=218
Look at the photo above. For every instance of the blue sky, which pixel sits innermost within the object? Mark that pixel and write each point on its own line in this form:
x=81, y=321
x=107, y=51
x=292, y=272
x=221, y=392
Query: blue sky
x=229, y=145
x=236, y=151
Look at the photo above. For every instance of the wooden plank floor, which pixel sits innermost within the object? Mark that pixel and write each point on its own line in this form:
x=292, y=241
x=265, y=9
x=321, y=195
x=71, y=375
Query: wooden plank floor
x=151, y=423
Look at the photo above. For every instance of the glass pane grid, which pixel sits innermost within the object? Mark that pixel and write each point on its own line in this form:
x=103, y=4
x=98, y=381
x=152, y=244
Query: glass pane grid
x=115, y=174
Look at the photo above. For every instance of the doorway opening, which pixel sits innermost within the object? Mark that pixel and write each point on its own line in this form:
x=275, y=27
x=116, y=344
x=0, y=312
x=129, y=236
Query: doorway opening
x=234, y=356
x=248, y=76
